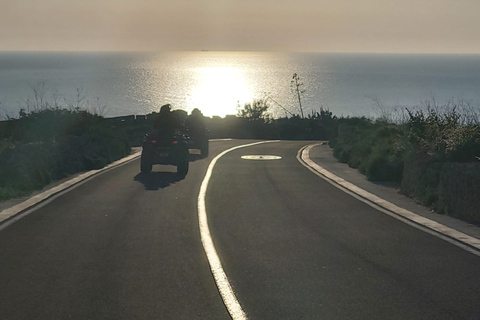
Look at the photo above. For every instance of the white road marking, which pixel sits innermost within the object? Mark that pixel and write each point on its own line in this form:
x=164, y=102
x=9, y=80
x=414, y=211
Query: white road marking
x=260, y=157
x=224, y=287
x=455, y=237
x=18, y=211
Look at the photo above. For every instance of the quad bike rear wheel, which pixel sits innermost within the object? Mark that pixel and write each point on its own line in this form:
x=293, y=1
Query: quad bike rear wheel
x=183, y=162
x=145, y=164
x=204, y=148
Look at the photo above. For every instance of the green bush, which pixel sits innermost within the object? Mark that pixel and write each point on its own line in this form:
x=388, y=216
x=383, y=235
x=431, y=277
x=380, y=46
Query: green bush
x=375, y=148
x=43, y=125
x=443, y=135
x=51, y=144
x=352, y=141
x=26, y=167
x=433, y=155
x=383, y=164
x=254, y=121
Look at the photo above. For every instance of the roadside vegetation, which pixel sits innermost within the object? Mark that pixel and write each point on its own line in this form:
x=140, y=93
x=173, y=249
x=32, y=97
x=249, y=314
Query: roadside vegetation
x=430, y=153
x=46, y=145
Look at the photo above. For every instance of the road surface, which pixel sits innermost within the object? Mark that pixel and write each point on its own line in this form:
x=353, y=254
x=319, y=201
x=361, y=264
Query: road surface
x=124, y=245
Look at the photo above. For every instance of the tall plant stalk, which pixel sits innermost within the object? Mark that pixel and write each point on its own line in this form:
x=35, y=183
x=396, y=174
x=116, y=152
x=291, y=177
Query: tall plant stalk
x=296, y=84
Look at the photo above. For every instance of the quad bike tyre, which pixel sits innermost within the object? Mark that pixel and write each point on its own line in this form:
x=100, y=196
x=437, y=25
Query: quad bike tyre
x=183, y=163
x=204, y=148
x=145, y=164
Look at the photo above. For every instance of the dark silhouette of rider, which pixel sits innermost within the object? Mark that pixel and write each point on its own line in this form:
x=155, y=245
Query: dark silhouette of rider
x=195, y=123
x=166, y=123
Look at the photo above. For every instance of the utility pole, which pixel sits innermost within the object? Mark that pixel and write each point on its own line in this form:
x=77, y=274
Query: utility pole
x=296, y=84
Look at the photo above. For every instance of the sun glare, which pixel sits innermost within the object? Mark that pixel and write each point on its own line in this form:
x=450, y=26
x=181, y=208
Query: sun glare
x=219, y=90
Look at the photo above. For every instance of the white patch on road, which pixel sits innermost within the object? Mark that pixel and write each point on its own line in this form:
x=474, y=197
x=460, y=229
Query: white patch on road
x=261, y=157
x=455, y=237
x=224, y=287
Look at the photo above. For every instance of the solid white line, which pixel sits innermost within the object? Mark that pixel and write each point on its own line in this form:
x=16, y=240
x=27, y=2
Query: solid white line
x=224, y=287
x=458, y=238
x=216, y=140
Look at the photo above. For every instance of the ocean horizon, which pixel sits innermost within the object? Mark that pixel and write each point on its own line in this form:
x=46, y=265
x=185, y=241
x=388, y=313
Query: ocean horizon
x=136, y=83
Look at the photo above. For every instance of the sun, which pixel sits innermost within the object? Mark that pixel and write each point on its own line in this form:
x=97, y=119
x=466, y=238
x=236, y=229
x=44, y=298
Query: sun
x=220, y=90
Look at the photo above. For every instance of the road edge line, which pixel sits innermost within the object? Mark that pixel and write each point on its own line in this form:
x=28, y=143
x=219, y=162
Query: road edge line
x=7, y=216
x=464, y=241
x=226, y=291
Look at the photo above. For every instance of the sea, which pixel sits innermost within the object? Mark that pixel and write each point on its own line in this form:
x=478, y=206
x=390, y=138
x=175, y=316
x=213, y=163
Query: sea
x=219, y=83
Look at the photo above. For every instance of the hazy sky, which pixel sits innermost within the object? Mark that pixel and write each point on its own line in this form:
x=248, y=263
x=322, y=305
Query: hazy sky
x=449, y=26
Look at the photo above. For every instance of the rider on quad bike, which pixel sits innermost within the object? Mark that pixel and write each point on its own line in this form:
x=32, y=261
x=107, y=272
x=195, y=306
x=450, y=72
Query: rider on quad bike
x=166, y=123
x=166, y=145
x=197, y=131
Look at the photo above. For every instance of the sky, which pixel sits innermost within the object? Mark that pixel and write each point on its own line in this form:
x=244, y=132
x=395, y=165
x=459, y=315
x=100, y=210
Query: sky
x=393, y=26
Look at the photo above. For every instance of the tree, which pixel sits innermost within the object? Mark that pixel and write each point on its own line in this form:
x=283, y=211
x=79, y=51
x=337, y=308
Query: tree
x=256, y=111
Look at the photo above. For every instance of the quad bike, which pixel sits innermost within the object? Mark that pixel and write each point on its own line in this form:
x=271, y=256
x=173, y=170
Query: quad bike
x=165, y=150
x=199, y=140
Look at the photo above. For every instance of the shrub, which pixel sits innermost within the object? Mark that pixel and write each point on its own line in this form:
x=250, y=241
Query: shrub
x=353, y=141
x=26, y=167
x=39, y=150
x=383, y=164
x=257, y=111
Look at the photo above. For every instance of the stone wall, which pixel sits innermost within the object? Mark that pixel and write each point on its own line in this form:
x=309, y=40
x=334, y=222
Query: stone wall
x=459, y=191
x=421, y=176
x=449, y=188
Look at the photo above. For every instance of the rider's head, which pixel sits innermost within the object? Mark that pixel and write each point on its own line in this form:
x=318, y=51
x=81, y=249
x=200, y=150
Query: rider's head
x=165, y=108
x=196, y=112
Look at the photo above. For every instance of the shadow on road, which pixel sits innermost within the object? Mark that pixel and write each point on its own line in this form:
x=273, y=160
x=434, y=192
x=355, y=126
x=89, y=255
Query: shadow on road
x=157, y=180
x=194, y=157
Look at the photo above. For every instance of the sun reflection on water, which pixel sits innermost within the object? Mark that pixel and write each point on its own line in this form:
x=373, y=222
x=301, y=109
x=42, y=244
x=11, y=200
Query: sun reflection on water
x=219, y=90
x=214, y=82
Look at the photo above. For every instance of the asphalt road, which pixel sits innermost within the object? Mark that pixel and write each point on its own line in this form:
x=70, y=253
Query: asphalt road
x=127, y=246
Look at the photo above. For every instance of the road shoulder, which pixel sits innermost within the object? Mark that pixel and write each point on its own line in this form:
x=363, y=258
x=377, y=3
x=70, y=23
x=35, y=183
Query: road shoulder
x=15, y=207
x=322, y=155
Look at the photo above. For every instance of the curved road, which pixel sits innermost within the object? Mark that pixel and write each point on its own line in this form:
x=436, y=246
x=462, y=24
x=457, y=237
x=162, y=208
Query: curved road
x=127, y=246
